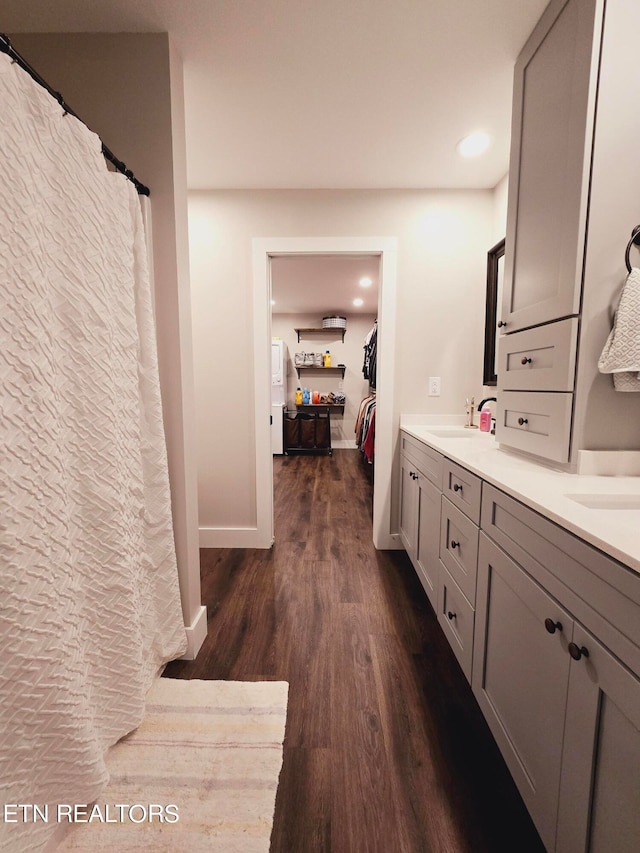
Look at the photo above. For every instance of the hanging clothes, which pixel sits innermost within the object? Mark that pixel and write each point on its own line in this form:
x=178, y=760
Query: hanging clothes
x=365, y=427
x=369, y=366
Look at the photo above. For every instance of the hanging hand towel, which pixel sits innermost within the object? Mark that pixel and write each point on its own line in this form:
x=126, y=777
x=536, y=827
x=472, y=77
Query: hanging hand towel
x=621, y=353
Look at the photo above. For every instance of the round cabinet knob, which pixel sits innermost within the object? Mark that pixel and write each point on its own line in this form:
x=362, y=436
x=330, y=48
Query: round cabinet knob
x=525, y=360
x=455, y=544
x=457, y=487
x=502, y=324
x=552, y=626
x=578, y=652
x=451, y=615
x=522, y=421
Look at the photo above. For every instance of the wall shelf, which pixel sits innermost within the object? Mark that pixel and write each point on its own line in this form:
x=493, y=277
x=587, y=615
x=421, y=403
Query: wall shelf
x=336, y=332
x=320, y=407
x=340, y=370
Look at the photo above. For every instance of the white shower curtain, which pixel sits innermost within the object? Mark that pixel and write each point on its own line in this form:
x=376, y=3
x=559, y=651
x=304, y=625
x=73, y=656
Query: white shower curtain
x=89, y=600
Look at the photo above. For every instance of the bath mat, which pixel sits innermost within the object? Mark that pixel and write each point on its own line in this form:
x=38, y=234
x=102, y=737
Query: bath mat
x=199, y=774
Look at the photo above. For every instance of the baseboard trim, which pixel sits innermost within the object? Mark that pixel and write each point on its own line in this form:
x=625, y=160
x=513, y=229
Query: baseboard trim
x=390, y=542
x=343, y=444
x=196, y=634
x=233, y=537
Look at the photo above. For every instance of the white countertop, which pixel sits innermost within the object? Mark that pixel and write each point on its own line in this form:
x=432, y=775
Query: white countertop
x=613, y=527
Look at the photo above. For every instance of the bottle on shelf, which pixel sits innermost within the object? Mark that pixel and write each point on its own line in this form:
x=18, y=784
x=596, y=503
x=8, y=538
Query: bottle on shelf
x=298, y=396
x=327, y=359
x=306, y=398
x=315, y=398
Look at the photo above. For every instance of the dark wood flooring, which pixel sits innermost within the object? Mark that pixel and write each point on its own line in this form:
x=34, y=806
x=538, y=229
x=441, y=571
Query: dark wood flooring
x=386, y=750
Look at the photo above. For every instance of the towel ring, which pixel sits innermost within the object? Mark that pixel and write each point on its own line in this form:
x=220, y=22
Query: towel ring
x=635, y=238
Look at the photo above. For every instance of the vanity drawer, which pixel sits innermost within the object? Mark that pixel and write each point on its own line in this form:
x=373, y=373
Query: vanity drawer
x=462, y=488
x=535, y=422
x=459, y=548
x=540, y=359
x=456, y=617
x=427, y=460
x=601, y=593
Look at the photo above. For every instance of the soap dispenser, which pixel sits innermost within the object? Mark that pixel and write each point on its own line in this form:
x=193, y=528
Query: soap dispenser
x=485, y=420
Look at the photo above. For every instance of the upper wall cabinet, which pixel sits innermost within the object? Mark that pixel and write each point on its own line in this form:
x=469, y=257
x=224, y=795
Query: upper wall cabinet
x=553, y=108
x=574, y=198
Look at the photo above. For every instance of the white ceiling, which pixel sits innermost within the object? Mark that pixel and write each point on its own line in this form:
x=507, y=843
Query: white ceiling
x=326, y=93
x=324, y=284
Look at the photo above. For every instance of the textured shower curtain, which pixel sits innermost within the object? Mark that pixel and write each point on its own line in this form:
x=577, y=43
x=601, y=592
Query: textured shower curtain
x=89, y=600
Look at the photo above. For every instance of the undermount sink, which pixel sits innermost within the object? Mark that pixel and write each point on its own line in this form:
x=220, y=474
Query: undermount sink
x=452, y=433
x=619, y=502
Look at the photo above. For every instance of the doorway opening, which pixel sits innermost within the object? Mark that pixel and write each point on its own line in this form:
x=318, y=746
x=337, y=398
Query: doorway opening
x=383, y=250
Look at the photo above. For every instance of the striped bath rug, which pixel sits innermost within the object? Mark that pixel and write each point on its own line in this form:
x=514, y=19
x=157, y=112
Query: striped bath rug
x=199, y=774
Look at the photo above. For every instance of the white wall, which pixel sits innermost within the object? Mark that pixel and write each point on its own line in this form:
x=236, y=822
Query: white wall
x=500, y=196
x=443, y=238
x=128, y=88
x=350, y=353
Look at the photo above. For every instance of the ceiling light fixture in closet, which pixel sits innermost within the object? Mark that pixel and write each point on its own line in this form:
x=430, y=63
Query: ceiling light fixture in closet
x=474, y=144
x=358, y=302
x=365, y=282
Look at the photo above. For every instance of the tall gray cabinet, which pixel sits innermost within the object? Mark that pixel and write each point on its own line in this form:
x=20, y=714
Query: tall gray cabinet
x=574, y=197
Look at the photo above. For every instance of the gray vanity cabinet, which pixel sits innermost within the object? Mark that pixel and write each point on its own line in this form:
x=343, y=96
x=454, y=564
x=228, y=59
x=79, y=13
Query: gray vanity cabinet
x=600, y=783
x=408, y=505
x=556, y=672
x=520, y=675
x=420, y=478
x=459, y=531
x=573, y=202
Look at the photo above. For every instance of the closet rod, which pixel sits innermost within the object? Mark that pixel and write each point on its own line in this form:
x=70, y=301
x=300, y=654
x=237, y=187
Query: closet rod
x=12, y=53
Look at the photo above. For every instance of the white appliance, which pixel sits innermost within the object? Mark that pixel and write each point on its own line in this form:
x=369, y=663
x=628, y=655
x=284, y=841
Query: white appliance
x=279, y=364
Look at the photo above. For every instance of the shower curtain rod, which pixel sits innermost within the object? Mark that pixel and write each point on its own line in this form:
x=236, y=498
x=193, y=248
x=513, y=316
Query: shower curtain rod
x=6, y=47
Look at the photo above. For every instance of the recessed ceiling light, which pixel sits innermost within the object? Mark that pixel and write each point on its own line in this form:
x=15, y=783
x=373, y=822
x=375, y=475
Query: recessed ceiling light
x=273, y=301
x=474, y=144
x=358, y=302
x=365, y=282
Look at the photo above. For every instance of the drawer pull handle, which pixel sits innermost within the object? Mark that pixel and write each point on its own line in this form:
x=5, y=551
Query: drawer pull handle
x=552, y=626
x=451, y=615
x=525, y=360
x=578, y=652
x=455, y=544
x=457, y=487
x=522, y=421
x=502, y=324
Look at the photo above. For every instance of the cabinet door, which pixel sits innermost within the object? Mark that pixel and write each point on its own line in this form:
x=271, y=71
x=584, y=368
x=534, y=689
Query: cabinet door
x=459, y=548
x=520, y=676
x=408, y=506
x=428, y=534
x=456, y=616
x=600, y=790
x=553, y=109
